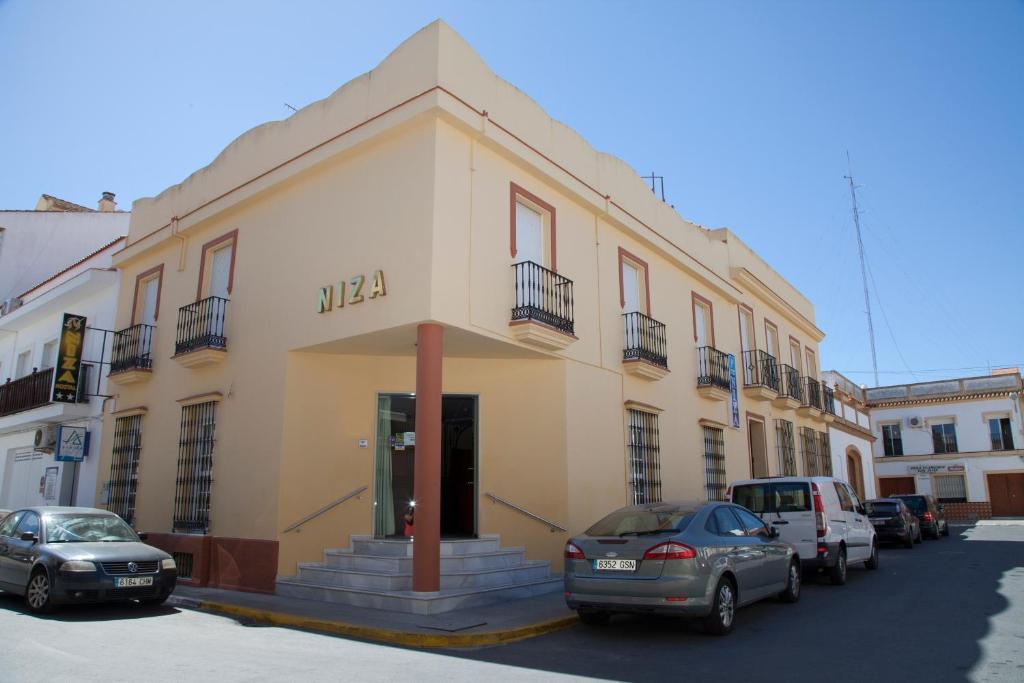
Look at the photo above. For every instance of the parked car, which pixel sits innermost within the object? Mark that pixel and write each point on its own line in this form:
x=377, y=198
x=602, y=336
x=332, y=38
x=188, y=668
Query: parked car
x=820, y=516
x=893, y=521
x=931, y=516
x=698, y=560
x=57, y=555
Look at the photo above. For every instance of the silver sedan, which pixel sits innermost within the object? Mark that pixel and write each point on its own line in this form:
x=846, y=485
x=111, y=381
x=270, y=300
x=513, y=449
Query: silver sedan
x=698, y=560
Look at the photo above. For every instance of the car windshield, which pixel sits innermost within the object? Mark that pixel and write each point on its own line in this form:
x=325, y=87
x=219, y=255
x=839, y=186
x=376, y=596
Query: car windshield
x=772, y=496
x=881, y=509
x=642, y=521
x=916, y=504
x=69, y=528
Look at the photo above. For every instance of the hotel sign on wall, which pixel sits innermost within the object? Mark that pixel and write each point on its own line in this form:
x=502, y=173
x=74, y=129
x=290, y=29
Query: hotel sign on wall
x=352, y=292
x=69, y=360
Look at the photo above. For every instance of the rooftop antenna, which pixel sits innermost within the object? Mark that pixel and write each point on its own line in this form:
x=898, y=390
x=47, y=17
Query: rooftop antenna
x=656, y=181
x=863, y=269
x=290, y=106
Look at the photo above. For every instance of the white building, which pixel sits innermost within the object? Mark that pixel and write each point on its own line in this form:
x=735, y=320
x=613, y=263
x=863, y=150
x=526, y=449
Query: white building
x=960, y=440
x=36, y=244
x=850, y=436
x=29, y=339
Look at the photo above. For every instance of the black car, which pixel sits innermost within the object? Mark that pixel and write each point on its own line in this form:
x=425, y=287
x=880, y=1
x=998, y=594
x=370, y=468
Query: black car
x=928, y=513
x=893, y=521
x=55, y=555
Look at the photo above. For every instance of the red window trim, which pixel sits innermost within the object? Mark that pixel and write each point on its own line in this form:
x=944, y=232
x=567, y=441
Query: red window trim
x=624, y=256
x=753, y=326
x=694, y=298
x=145, y=275
x=519, y=191
x=233, y=237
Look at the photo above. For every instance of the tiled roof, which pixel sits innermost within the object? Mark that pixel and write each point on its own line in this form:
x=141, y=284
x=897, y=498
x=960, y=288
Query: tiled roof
x=58, y=204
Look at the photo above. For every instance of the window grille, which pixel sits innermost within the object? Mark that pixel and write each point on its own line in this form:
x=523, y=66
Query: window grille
x=183, y=561
x=195, y=468
x=809, y=446
x=785, y=447
x=714, y=462
x=644, y=457
x=124, y=467
x=950, y=488
x=824, y=455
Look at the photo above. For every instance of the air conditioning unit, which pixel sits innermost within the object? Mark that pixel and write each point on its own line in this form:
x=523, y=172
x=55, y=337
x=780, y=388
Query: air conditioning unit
x=46, y=439
x=915, y=422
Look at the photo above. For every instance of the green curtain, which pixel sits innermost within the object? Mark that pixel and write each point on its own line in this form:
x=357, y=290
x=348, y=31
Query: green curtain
x=384, y=496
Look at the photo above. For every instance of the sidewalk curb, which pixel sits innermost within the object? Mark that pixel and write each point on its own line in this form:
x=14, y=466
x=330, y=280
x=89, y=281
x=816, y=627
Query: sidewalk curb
x=380, y=635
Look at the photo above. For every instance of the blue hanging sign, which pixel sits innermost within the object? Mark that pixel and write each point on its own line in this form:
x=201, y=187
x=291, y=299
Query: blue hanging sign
x=734, y=391
x=72, y=444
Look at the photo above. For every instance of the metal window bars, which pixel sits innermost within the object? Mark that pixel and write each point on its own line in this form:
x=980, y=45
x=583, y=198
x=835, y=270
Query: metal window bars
x=760, y=369
x=132, y=349
x=812, y=393
x=644, y=453
x=544, y=296
x=712, y=368
x=789, y=382
x=645, y=339
x=824, y=455
x=201, y=325
x=195, y=468
x=26, y=393
x=785, y=447
x=714, y=463
x=809, y=450
x=124, y=466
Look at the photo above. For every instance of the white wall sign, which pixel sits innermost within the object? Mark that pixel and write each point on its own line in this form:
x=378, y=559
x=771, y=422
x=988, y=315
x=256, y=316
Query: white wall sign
x=926, y=470
x=72, y=444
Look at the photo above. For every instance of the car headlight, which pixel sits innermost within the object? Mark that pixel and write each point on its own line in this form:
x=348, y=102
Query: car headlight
x=78, y=566
x=168, y=564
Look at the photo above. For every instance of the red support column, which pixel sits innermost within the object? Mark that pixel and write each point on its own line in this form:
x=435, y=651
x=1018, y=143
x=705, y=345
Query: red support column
x=426, y=548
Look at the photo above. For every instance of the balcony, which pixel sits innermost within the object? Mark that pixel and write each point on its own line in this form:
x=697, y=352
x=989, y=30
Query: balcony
x=713, y=374
x=646, y=352
x=542, y=315
x=791, y=392
x=828, y=403
x=26, y=393
x=200, y=340
x=131, y=357
x=810, y=406
x=760, y=375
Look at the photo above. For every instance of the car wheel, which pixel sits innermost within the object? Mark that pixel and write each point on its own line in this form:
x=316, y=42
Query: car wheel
x=920, y=535
x=792, y=591
x=723, y=610
x=872, y=561
x=837, y=574
x=593, y=617
x=39, y=593
x=909, y=543
x=945, y=529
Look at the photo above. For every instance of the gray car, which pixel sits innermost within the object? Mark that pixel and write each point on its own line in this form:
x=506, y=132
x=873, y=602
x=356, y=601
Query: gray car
x=698, y=560
x=57, y=555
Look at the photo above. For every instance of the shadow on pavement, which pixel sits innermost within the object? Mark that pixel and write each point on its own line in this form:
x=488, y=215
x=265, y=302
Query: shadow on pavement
x=117, y=611
x=924, y=615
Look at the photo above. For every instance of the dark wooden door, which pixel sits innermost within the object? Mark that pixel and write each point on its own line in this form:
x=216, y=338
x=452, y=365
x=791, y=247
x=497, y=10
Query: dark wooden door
x=1006, y=493
x=891, y=486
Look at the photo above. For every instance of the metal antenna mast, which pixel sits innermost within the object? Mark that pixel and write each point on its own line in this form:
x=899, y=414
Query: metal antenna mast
x=863, y=269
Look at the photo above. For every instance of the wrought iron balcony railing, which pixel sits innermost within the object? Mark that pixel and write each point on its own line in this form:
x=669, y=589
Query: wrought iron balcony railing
x=760, y=369
x=645, y=339
x=26, y=393
x=828, y=399
x=544, y=296
x=789, y=383
x=132, y=349
x=712, y=368
x=201, y=325
x=812, y=393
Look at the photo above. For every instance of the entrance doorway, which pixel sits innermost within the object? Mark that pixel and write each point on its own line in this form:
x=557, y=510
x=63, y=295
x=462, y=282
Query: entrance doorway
x=1006, y=493
x=893, y=486
x=758, y=449
x=394, y=480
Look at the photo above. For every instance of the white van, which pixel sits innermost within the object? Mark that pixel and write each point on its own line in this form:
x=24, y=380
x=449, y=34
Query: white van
x=820, y=516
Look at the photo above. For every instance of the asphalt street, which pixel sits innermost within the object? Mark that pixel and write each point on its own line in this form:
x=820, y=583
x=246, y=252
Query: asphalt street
x=948, y=610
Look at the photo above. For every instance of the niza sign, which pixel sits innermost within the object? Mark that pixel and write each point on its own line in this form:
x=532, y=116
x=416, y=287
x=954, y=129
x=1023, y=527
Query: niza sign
x=352, y=292
x=69, y=360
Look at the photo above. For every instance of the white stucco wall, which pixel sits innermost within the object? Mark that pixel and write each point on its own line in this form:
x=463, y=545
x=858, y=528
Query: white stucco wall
x=970, y=417
x=840, y=441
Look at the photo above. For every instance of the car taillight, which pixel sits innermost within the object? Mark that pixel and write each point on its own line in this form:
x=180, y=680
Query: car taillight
x=820, y=525
x=670, y=550
x=928, y=517
x=573, y=553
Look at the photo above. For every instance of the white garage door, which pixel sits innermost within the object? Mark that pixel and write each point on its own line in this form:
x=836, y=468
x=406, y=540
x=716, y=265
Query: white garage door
x=33, y=478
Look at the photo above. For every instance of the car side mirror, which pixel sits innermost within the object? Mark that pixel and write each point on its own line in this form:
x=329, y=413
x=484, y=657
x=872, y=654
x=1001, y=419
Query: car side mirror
x=941, y=508
x=773, y=532
x=28, y=536
x=143, y=536
x=861, y=510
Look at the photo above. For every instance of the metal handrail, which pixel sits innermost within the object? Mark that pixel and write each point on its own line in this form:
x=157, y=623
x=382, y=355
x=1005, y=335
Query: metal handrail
x=326, y=508
x=499, y=499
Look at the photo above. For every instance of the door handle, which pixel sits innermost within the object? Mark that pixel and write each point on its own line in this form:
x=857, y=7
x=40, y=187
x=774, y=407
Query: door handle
x=780, y=522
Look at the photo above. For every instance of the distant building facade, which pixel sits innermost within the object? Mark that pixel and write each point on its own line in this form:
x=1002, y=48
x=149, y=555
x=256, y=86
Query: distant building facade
x=960, y=440
x=851, y=435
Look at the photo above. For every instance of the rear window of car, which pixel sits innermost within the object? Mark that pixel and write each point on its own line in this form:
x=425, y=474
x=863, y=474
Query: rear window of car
x=916, y=504
x=790, y=496
x=642, y=521
x=882, y=509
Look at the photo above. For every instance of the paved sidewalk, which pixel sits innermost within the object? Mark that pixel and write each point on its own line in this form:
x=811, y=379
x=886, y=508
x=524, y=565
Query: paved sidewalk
x=500, y=623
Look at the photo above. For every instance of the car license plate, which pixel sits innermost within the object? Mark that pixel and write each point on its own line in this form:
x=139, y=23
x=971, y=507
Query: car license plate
x=615, y=565
x=132, y=581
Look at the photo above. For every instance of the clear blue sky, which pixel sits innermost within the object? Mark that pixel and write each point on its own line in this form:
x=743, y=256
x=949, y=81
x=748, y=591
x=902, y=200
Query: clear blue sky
x=746, y=108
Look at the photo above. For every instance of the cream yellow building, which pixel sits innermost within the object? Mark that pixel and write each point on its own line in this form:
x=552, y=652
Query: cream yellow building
x=270, y=306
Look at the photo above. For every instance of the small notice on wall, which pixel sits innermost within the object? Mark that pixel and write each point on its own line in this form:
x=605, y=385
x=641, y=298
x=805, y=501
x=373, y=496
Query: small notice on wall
x=410, y=438
x=50, y=483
